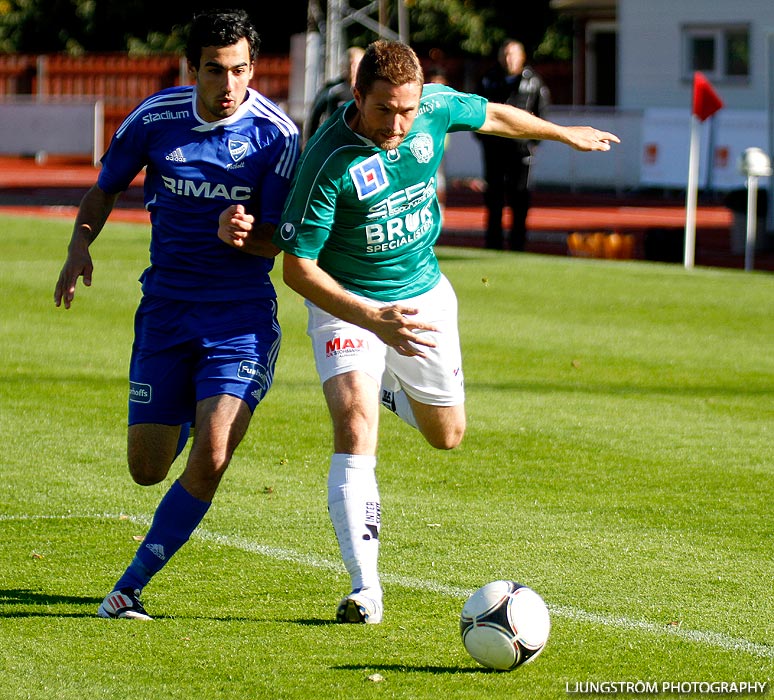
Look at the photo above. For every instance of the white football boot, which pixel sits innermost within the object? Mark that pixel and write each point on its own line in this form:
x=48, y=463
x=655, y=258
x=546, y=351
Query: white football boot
x=124, y=604
x=360, y=608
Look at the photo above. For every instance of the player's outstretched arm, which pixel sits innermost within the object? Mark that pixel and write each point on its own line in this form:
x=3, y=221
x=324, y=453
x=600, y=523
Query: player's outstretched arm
x=94, y=209
x=238, y=229
x=511, y=122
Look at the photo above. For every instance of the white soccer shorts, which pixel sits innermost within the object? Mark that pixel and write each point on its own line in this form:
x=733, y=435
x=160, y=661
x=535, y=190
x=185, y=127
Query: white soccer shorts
x=435, y=380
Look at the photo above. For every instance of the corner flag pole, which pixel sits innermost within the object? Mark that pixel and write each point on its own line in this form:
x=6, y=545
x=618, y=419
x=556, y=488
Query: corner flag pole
x=705, y=103
x=692, y=194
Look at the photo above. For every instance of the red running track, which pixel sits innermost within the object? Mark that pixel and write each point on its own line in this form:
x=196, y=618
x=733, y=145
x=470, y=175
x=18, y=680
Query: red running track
x=22, y=179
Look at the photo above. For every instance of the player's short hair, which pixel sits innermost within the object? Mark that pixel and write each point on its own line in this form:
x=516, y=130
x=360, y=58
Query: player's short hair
x=392, y=61
x=220, y=28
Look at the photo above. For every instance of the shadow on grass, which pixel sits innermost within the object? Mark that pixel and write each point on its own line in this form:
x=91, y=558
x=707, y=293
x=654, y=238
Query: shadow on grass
x=319, y=622
x=405, y=668
x=42, y=601
x=25, y=597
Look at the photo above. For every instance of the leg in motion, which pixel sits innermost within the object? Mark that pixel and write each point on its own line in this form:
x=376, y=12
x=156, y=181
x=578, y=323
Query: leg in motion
x=221, y=423
x=353, y=495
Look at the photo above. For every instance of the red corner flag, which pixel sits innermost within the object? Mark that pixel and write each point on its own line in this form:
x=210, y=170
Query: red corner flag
x=705, y=100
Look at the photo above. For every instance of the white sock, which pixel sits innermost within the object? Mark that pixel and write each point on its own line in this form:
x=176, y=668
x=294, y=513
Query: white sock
x=395, y=399
x=355, y=511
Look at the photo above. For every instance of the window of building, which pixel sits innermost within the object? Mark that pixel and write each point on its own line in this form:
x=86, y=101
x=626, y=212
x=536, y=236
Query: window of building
x=721, y=52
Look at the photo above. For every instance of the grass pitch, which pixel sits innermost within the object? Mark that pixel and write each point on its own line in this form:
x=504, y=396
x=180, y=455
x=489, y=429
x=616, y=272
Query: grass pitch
x=619, y=460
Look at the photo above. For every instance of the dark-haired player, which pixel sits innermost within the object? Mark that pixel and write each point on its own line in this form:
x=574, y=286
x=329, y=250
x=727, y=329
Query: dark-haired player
x=206, y=330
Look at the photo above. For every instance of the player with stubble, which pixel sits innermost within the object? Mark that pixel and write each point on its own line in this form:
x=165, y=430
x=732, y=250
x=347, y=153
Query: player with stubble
x=358, y=232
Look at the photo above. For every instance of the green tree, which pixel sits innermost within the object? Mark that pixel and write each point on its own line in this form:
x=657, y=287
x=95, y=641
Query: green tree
x=476, y=27
x=141, y=26
x=473, y=27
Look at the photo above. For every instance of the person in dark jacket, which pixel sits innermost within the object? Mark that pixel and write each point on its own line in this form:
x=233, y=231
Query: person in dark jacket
x=334, y=93
x=507, y=161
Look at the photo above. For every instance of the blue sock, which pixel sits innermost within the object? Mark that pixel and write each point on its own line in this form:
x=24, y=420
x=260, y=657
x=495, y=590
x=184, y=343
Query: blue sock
x=177, y=516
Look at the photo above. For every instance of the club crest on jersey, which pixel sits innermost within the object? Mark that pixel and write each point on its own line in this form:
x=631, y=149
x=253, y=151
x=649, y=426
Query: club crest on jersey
x=422, y=148
x=369, y=176
x=237, y=149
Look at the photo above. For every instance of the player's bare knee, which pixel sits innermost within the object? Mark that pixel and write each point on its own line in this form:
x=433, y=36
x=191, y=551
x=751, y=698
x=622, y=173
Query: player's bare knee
x=447, y=442
x=145, y=473
x=354, y=433
x=447, y=439
x=150, y=452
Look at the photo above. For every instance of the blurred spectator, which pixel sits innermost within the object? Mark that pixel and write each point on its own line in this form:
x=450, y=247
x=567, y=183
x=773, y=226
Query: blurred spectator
x=334, y=92
x=436, y=74
x=507, y=161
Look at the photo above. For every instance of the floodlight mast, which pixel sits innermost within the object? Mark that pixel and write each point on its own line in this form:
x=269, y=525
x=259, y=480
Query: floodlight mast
x=326, y=42
x=340, y=15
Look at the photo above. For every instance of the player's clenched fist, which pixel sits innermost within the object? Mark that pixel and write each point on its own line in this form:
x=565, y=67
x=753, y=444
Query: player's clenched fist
x=234, y=225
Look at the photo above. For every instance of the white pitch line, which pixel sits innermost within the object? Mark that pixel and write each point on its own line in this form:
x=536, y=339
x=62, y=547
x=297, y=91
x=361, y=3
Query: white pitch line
x=713, y=639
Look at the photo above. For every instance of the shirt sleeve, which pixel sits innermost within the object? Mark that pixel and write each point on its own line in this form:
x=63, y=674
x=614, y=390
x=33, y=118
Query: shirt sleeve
x=276, y=183
x=468, y=111
x=308, y=216
x=124, y=158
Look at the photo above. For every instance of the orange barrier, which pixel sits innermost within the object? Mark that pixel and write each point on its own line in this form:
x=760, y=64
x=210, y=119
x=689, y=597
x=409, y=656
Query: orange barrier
x=120, y=81
x=614, y=246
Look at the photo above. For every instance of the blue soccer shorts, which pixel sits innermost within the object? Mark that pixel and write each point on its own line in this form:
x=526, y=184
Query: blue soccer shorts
x=184, y=352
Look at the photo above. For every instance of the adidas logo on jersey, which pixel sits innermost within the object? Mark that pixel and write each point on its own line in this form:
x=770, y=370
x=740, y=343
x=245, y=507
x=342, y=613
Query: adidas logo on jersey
x=158, y=550
x=176, y=156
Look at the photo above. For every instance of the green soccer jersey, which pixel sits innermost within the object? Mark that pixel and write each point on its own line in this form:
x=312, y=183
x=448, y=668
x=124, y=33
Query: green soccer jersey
x=371, y=217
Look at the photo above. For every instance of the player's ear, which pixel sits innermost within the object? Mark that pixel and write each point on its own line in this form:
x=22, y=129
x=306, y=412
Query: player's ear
x=192, y=71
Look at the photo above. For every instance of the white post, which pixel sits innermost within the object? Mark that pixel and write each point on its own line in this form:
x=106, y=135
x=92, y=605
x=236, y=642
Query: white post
x=770, y=114
x=403, y=22
x=752, y=221
x=99, y=132
x=334, y=38
x=754, y=163
x=312, y=69
x=692, y=194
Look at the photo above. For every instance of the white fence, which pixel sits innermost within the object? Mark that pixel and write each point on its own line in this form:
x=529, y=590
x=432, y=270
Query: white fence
x=653, y=151
x=60, y=126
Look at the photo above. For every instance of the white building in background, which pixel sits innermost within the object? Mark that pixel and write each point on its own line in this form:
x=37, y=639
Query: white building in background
x=661, y=43
x=633, y=75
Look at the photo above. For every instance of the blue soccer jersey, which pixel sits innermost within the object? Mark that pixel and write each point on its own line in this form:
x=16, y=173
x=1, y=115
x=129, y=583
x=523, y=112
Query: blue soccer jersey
x=194, y=170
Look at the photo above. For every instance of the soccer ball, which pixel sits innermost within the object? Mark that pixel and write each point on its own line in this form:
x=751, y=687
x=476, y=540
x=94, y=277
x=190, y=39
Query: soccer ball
x=504, y=624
